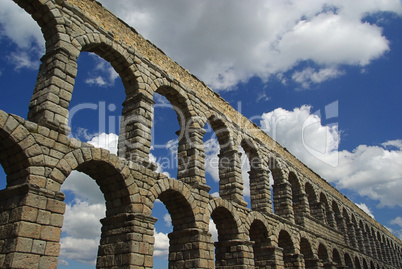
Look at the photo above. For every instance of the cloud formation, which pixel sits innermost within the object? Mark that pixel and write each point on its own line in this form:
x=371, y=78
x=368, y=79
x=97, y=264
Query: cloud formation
x=227, y=42
x=369, y=170
x=18, y=27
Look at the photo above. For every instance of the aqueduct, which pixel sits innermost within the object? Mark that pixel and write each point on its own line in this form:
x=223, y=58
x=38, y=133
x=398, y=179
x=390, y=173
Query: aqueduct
x=308, y=225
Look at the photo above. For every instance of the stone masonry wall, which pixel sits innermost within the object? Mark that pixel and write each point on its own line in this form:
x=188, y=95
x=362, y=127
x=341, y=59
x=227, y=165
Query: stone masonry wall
x=309, y=225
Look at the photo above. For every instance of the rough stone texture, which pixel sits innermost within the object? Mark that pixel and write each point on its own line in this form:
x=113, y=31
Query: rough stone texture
x=309, y=225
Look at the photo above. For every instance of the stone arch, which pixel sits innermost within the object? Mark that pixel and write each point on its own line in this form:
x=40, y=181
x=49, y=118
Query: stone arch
x=186, y=239
x=336, y=257
x=110, y=173
x=366, y=237
x=178, y=98
x=340, y=225
x=298, y=198
x=260, y=190
x=310, y=260
x=262, y=244
x=231, y=237
x=219, y=205
x=312, y=199
x=282, y=193
x=357, y=263
x=327, y=214
x=123, y=205
x=119, y=58
x=380, y=252
x=172, y=192
x=348, y=260
x=323, y=253
x=228, y=161
x=350, y=236
x=20, y=155
x=365, y=265
x=219, y=124
x=286, y=243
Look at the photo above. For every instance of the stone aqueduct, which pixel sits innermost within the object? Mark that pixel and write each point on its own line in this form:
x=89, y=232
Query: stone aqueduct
x=309, y=225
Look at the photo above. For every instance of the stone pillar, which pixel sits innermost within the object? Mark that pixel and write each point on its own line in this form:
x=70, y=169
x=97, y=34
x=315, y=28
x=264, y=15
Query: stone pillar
x=234, y=254
x=230, y=179
x=322, y=213
x=342, y=228
x=367, y=245
x=373, y=246
x=331, y=218
x=53, y=90
x=352, y=235
x=329, y=265
x=135, y=129
x=262, y=258
x=316, y=211
x=30, y=226
x=359, y=238
x=260, y=190
x=190, y=248
x=283, y=200
x=312, y=263
x=127, y=241
x=293, y=261
x=191, y=158
x=300, y=207
x=378, y=249
x=275, y=257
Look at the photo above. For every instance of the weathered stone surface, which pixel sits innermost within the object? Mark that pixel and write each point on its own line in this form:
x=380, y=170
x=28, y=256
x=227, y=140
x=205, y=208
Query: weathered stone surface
x=308, y=225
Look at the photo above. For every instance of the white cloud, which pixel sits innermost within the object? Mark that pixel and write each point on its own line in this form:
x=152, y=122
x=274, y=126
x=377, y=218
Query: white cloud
x=212, y=230
x=24, y=59
x=365, y=208
x=18, y=27
x=82, y=228
x=103, y=75
x=83, y=187
x=168, y=219
x=78, y=249
x=372, y=171
x=309, y=75
x=226, y=42
x=106, y=141
x=397, y=221
x=82, y=219
x=161, y=247
x=398, y=231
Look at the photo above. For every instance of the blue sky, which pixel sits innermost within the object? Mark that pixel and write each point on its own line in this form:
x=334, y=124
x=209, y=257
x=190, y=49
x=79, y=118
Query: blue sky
x=281, y=65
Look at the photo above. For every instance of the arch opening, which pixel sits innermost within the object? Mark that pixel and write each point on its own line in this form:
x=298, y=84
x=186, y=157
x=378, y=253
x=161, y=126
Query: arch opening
x=286, y=243
x=336, y=257
x=262, y=243
x=165, y=136
x=81, y=230
x=297, y=198
x=306, y=250
x=323, y=254
x=228, y=232
x=13, y=161
x=211, y=150
x=174, y=235
x=95, y=106
x=21, y=52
